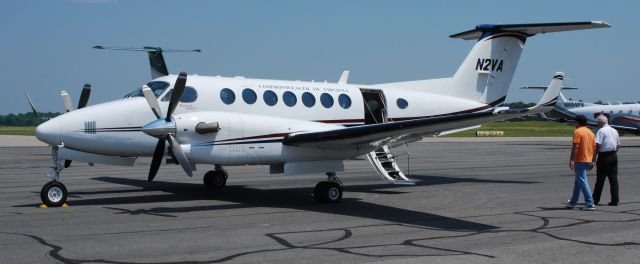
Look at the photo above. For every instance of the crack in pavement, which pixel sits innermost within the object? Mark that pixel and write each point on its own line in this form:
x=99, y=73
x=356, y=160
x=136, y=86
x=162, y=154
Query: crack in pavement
x=348, y=232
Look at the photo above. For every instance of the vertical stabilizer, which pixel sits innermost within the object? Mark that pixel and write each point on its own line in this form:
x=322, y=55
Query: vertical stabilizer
x=486, y=73
x=156, y=60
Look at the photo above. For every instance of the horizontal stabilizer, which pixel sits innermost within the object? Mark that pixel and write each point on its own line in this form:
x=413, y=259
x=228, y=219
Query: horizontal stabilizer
x=147, y=49
x=545, y=87
x=528, y=29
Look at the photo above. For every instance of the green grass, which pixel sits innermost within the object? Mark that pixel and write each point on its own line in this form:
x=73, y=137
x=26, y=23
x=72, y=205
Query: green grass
x=522, y=129
x=22, y=131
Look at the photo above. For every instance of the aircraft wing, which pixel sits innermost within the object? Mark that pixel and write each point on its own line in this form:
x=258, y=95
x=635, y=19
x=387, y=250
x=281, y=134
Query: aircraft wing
x=375, y=135
x=626, y=129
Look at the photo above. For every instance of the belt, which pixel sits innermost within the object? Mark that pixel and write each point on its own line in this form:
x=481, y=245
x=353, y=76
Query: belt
x=607, y=153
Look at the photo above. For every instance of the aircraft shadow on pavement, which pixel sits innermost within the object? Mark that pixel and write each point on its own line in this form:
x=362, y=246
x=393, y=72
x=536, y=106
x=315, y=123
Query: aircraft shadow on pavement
x=437, y=180
x=244, y=197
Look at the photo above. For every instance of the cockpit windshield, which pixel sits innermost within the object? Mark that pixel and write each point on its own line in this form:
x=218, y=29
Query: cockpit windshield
x=157, y=88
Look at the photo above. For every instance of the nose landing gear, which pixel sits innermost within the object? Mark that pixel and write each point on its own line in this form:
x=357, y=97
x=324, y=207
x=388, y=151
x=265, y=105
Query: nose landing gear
x=329, y=191
x=54, y=193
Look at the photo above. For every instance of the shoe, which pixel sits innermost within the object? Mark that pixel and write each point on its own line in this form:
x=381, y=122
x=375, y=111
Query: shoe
x=588, y=207
x=612, y=204
x=568, y=204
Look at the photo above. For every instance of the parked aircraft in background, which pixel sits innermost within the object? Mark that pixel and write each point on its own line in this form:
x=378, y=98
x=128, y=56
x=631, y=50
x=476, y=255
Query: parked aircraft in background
x=295, y=127
x=623, y=117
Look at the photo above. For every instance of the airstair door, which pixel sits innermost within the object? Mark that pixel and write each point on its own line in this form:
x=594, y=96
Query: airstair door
x=375, y=106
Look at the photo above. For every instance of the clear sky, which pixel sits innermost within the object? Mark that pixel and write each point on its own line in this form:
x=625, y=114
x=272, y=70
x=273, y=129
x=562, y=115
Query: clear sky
x=46, y=45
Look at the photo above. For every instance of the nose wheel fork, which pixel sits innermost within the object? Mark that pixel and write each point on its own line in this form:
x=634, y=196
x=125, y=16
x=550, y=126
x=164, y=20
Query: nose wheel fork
x=54, y=193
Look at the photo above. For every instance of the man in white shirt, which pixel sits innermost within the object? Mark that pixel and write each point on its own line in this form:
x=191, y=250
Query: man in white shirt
x=607, y=144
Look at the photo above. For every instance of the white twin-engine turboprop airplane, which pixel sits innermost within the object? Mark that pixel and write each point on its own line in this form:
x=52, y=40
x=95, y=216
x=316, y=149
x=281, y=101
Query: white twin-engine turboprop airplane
x=295, y=127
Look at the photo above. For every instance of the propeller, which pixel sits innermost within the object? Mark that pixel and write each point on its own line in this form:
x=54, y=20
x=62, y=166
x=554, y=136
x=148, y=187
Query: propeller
x=165, y=129
x=84, y=98
x=84, y=95
x=33, y=107
x=66, y=100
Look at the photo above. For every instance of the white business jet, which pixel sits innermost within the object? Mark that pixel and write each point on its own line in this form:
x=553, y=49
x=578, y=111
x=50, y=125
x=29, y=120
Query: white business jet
x=623, y=117
x=295, y=127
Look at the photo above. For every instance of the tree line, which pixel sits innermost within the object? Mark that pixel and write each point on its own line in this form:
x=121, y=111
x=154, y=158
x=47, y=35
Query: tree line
x=26, y=119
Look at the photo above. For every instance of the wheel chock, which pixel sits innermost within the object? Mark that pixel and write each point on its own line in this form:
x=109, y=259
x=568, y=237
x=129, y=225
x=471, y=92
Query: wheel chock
x=65, y=205
x=43, y=206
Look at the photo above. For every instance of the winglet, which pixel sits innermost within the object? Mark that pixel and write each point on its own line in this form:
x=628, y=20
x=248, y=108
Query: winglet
x=343, y=77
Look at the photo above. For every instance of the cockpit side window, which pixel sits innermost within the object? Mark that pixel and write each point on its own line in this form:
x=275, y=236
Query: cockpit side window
x=157, y=88
x=188, y=96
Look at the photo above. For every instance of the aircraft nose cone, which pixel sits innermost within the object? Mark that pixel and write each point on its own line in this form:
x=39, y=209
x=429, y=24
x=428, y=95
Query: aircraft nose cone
x=48, y=132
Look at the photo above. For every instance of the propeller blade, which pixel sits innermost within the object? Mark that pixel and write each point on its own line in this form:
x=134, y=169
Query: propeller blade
x=152, y=101
x=179, y=154
x=84, y=96
x=157, y=159
x=66, y=100
x=178, y=88
x=33, y=107
x=67, y=163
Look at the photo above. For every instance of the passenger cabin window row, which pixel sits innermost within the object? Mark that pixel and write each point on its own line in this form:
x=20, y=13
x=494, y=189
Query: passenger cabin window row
x=289, y=98
x=249, y=96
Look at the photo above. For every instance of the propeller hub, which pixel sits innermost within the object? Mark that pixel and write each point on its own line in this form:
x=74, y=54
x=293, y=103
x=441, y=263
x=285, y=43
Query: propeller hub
x=159, y=128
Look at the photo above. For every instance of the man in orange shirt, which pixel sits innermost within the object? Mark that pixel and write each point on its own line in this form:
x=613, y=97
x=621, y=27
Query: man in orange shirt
x=582, y=159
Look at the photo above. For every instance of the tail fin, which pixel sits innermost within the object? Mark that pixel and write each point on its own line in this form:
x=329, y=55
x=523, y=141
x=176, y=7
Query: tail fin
x=562, y=102
x=156, y=60
x=486, y=72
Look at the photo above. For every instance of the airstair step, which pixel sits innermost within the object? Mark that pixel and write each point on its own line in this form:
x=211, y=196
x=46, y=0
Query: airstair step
x=404, y=182
x=385, y=164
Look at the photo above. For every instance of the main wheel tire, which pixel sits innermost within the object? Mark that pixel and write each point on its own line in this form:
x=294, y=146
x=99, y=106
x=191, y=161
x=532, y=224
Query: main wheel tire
x=54, y=194
x=327, y=192
x=215, y=179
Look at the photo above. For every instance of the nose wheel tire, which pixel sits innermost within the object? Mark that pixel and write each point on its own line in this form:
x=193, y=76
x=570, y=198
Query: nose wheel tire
x=53, y=194
x=327, y=192
x=215, y=179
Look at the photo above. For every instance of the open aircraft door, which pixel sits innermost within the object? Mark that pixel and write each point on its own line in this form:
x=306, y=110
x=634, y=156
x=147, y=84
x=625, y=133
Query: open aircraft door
x=383, y=158
x=375, y=106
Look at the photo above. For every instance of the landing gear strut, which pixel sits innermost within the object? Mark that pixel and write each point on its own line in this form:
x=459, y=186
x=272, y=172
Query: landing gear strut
x=215, y=179
x=54, y=193
x=329, y=191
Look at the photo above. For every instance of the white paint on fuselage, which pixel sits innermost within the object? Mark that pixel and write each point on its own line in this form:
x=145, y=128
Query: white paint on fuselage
x=420, y=103
x=118, y=123
x=592, y=111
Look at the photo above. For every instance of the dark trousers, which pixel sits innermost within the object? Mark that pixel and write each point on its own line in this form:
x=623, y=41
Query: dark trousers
x=606, y=167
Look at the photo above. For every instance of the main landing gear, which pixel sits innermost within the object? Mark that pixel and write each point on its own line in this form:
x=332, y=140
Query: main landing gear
x=329, y=191
x=54, y=193
x=215, y=179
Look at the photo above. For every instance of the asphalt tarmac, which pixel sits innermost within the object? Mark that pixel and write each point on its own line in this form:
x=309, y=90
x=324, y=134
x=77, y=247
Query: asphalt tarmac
x=476, y=201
